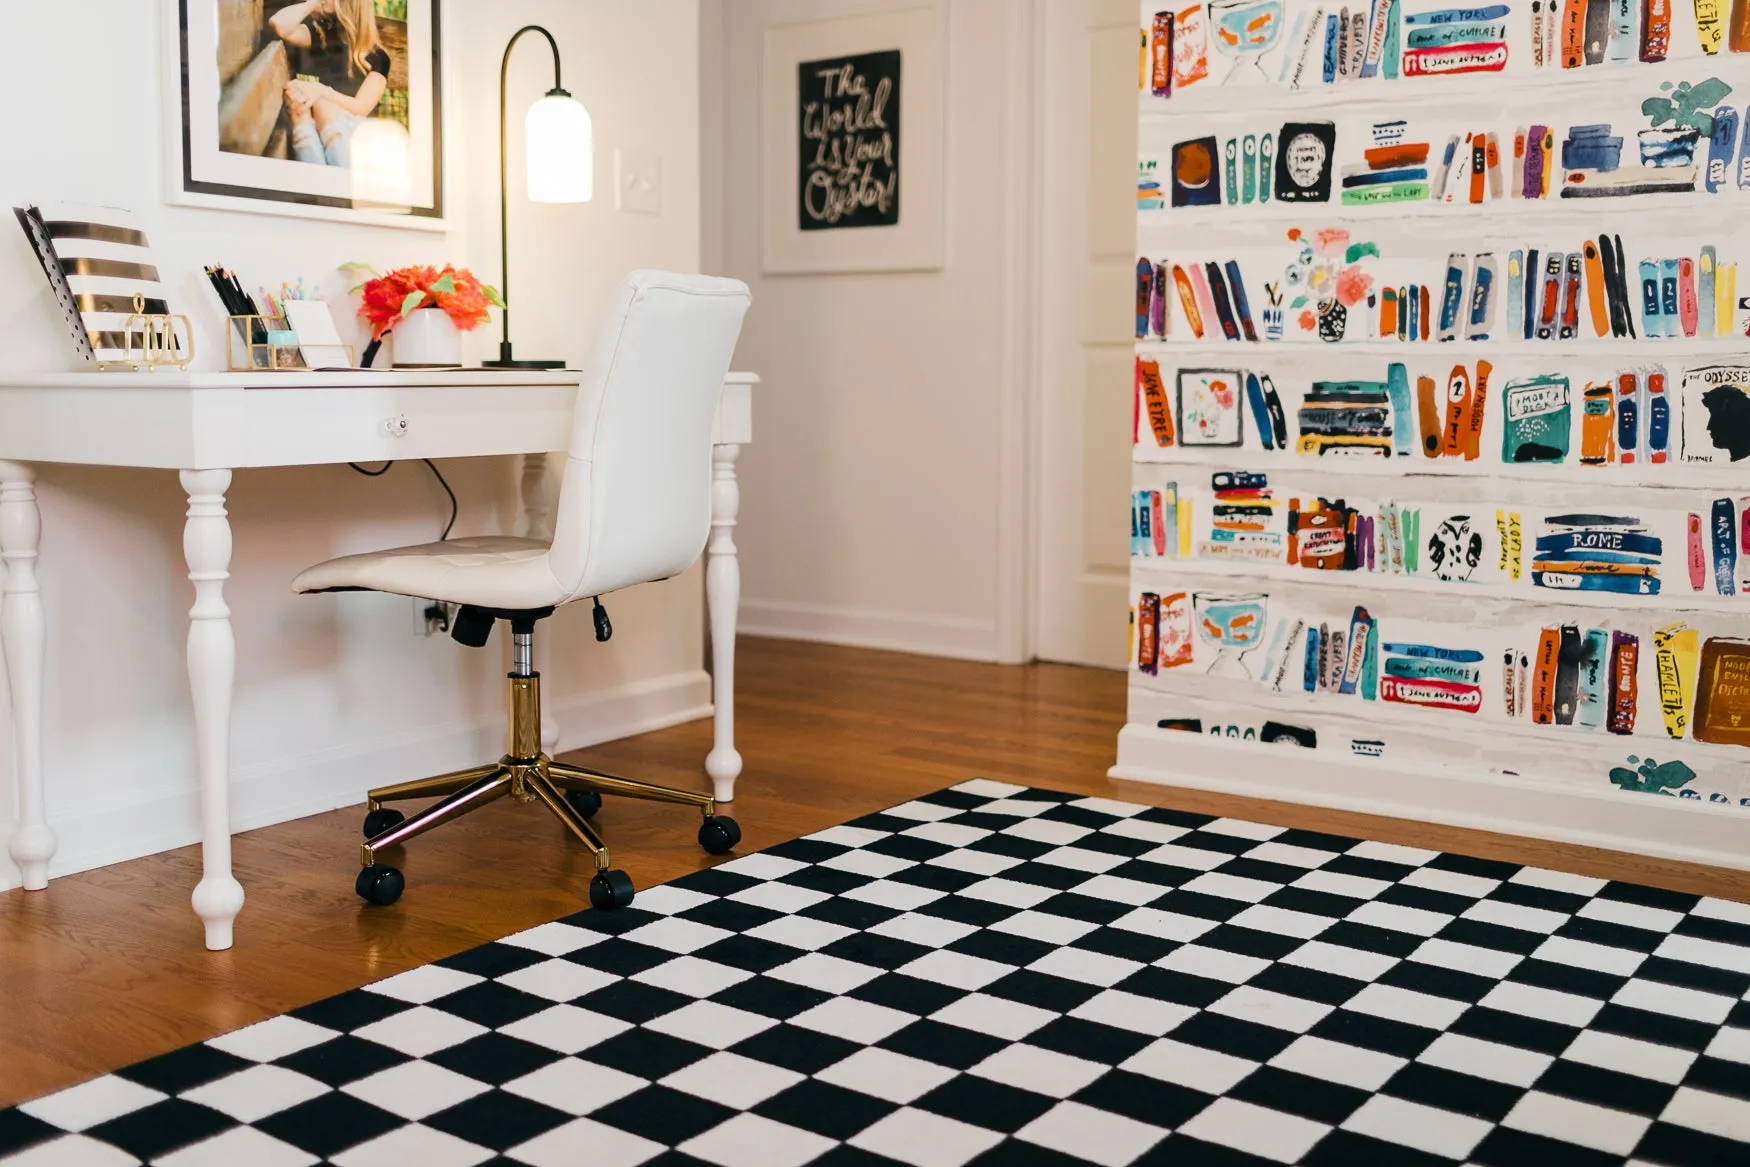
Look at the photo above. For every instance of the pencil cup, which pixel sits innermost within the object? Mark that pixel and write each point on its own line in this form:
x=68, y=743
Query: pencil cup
x=266, y=344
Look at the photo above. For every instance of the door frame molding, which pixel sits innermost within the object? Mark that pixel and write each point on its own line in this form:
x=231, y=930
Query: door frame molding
x=1065, y=95
x=1021, y=371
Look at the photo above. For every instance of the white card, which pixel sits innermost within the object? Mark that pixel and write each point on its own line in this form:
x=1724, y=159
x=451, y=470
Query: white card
x=318, y=337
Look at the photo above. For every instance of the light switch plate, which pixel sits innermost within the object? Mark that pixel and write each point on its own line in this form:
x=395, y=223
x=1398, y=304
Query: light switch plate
x=638, y=182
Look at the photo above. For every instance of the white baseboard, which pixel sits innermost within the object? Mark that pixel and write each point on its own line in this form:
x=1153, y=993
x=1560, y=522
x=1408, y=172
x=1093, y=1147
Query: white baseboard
x=629, y=710
x=917, y=632
x=1671, y=828
x=305, y=784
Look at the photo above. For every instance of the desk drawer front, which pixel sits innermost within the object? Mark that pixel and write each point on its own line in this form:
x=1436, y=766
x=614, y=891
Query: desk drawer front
x=372, y=425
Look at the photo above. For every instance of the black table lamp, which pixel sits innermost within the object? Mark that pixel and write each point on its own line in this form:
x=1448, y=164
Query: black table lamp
x=559, y=150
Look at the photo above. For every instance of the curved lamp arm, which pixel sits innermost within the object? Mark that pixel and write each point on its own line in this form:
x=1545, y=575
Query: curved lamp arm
x=504, y=165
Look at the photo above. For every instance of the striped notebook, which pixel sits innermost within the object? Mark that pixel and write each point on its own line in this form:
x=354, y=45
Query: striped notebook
x=101, y=270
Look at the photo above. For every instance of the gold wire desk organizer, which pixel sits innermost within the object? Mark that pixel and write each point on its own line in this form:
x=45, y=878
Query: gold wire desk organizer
x=162, y=339
x=267, y=344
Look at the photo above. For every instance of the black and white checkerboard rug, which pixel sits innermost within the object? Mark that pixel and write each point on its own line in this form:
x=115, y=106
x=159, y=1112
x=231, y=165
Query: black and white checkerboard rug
x=1002, y=975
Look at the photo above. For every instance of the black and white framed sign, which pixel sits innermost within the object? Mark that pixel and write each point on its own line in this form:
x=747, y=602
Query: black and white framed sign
x=848, y=155
x=326, y=109
x=853, y=121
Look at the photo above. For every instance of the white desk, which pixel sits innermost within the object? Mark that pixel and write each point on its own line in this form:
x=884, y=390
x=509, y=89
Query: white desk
x=205, y=425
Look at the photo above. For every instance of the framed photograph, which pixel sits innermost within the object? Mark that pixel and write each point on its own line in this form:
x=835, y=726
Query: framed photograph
x=852, y=119
x=328, y=109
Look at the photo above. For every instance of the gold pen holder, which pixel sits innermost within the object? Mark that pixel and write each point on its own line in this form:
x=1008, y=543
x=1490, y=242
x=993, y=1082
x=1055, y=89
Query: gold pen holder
x=152, y=340
x=267, y=344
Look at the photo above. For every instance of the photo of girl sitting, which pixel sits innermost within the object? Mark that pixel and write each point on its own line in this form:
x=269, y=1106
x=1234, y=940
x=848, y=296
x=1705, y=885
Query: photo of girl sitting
x=340, y=70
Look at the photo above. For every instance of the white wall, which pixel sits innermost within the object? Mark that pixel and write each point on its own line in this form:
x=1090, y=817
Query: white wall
x=333, y=693
x=884, y=507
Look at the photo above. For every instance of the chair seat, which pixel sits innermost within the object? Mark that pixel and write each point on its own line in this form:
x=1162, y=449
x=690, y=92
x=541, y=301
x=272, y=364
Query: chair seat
x=487, y=571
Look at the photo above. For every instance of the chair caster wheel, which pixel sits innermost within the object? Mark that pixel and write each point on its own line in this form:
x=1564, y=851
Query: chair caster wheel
x=610, y=890
x=719, y=834
x=584, y=802
x=379, y=884
x=380, y=820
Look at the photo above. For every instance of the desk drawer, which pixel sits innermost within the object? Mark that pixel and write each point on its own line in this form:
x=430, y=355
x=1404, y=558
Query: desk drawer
x=313, y=426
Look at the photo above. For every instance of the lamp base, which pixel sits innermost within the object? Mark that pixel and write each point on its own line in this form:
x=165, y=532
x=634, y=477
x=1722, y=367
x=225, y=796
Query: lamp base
x=507, y=359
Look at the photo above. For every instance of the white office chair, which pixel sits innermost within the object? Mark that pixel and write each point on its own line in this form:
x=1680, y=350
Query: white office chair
x=634, y=505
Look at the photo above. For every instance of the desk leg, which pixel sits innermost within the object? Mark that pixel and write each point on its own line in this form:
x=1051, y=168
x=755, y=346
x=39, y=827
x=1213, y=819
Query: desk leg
x=212, y=664
x=538, y=524
x=723, y=597
x=21, y=632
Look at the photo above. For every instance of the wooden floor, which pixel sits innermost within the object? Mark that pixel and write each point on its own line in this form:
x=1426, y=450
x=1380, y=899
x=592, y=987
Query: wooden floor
x=107, y=967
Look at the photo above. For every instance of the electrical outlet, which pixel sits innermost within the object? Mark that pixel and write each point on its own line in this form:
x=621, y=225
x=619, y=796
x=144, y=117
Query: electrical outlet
x=638, y=181
x=431, y=617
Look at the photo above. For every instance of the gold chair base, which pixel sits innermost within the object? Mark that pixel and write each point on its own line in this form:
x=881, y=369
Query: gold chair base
x=527, y=774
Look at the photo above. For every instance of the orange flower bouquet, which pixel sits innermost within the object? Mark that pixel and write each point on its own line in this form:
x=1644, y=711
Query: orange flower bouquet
x=395, y=295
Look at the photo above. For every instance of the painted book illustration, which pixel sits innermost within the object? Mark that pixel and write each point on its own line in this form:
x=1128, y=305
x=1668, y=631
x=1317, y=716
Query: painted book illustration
x=1722, y=692
x=1304, y=161
x=1242, y=523
x=1716, y=413
x=1346, y=418
x=1154, y=523
x=1539, y=419
x=1430, y=676
x=1675, y=649
x=1152, y=405
x=1392, y=170
x=1196, y=180
x=1322, y=535
x=1597, y=553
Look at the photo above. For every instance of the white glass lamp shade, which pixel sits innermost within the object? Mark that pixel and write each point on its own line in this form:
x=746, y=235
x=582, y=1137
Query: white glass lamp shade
x=559, y=144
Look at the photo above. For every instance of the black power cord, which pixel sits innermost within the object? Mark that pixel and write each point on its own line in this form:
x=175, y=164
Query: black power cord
x=454, y=506
x=435, y=473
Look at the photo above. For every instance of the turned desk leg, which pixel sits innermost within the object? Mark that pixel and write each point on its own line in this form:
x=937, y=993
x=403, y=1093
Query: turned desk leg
x=538, y=524
x=212, y=666
x=21, y=632
x=722, y=598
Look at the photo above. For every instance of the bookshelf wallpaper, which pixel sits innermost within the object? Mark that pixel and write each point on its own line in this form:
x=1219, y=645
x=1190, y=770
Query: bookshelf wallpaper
x=1442, y=412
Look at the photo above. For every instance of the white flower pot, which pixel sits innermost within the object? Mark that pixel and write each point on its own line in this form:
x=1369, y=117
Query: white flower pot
x=426, y=338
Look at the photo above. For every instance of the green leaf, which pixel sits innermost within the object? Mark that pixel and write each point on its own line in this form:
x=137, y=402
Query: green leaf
x=445, y=283
x=1358, y=250
x=358, y=267
x=413, y=300
x=492, y=296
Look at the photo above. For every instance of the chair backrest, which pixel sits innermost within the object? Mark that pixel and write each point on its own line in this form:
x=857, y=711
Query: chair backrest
x=635, y=500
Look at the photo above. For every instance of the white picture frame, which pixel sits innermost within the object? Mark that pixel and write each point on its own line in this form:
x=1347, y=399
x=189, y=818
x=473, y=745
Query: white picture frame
x=198, y=174
x=916, y=241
